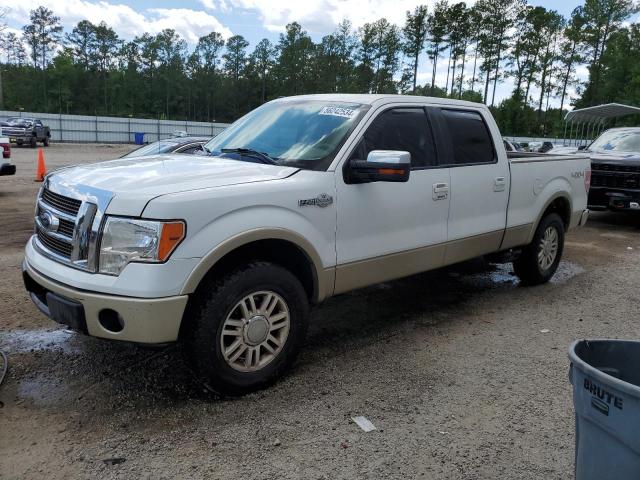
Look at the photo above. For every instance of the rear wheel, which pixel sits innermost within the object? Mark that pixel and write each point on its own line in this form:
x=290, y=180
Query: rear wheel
x=539, y=260
x=246, y=328
x=45, y=142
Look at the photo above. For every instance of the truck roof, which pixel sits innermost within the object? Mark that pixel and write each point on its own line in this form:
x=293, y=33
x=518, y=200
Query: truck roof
x=378, y=99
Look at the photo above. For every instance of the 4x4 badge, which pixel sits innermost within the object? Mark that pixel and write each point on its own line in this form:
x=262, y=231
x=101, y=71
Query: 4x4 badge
x=322, y=200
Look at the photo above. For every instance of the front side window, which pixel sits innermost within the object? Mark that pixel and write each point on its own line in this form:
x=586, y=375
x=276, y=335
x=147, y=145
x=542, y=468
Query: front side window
x=404, y=129
x=300, y=133
x=470, y=137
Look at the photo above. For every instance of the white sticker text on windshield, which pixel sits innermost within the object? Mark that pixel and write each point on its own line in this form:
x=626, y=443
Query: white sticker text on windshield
x=338, y=111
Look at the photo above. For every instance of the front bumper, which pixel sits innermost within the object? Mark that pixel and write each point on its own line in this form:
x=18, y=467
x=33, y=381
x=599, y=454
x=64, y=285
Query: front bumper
x=7, y=169
x=19, y=137
x=140, y=320
x=601, y=198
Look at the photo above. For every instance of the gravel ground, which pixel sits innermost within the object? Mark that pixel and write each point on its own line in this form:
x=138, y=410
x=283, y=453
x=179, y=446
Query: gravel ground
x=451, y=367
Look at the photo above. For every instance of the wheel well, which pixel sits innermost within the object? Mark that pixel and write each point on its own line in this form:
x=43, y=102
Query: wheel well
x=562, y=207
x=281, y=252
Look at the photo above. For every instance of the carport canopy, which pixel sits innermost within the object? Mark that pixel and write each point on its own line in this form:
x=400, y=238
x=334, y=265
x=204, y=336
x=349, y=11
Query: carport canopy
x=600, y=113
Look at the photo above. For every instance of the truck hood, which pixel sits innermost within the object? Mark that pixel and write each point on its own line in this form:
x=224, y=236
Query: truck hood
x=624, y=158
x=135, y=181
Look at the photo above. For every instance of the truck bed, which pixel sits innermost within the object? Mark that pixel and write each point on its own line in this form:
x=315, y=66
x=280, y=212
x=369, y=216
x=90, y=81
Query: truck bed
x=524, y=157
x=534, y=182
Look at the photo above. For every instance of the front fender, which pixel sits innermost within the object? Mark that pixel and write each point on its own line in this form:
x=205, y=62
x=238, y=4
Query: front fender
x=323, y=277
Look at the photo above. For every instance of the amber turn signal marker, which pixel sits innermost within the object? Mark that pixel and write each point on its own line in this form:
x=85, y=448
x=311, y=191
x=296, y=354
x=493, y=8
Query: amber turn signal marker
x=172, y=234
x=390, y=171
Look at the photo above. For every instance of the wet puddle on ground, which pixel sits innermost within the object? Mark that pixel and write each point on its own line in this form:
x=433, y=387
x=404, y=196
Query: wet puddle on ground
x=22, y=341
x=566, y=271
x=502, y=274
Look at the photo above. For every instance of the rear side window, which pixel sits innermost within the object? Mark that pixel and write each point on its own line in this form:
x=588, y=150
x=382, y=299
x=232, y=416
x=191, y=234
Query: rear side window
x=470, y=137
x=405, y=129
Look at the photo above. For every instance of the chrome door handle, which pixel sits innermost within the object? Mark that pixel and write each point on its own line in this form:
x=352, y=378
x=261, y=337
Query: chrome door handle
x=499, y=184
x=440, y=191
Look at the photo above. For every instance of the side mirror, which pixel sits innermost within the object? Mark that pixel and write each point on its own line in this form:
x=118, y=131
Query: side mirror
x=582, y=147
x=381, y=166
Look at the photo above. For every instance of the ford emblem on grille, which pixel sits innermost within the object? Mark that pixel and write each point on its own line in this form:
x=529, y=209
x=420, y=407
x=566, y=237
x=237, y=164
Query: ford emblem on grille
x=49, y=222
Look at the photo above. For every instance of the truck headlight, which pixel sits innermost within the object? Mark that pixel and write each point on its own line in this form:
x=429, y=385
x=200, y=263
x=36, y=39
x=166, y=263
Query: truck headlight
x=126, y=240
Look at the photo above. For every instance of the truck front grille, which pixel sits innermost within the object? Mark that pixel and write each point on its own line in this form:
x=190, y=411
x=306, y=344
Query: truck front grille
x=68, y=222
x=66, y=228
x=615, y=176
x=56, y=245
x=60, y=202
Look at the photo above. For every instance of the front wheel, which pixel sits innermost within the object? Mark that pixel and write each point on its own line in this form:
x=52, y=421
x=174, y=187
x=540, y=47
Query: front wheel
x=33, y=143
x=246, y=328
x=539, y=260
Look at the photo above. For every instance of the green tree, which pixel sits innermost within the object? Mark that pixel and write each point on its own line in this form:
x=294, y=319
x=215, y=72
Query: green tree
x=42, y=35
x=415, y=35
x=235, y=61
x=571, y=52
x=295, y=53
x=82, y=41
x=553, y=26
x=171, y=55
x=497, y=17
x=437, y=33
x=103, y=55
x=263, y=60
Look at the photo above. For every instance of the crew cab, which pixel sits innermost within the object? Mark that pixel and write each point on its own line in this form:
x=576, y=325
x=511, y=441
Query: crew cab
x=26, y=130
x=615, y=164
x=301, y=199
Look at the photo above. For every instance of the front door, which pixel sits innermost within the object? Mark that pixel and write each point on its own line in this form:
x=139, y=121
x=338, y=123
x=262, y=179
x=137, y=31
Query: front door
x=388, y=230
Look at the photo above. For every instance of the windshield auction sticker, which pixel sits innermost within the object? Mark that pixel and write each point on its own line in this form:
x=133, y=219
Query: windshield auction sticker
x=338, y=111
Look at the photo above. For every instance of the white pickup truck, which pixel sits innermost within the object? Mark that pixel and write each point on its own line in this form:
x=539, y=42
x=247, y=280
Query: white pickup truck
x=301, y=199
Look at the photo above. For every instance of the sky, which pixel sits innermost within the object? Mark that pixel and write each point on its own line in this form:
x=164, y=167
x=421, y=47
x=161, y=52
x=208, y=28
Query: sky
x=253, y=19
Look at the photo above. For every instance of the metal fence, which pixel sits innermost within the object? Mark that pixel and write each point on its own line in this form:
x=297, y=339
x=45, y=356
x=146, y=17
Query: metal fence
x=90, y=129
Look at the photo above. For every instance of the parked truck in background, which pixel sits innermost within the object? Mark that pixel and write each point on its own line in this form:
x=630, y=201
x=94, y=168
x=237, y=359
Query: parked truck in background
x=28, y=131
x=301, y=199
x=615, y=164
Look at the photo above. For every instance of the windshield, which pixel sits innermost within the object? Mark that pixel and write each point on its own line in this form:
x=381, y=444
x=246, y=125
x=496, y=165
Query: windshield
x=19, y=121
x=305, y=134
x=617, y=141
x=154, y=148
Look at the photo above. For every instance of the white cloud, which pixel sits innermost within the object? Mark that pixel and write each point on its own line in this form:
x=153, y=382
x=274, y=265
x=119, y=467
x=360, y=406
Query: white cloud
x=128, y=22
x=321, y=16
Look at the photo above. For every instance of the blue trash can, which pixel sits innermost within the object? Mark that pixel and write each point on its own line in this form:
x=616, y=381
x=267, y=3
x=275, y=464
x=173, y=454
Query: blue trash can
x=139, y=138
x=605, y=375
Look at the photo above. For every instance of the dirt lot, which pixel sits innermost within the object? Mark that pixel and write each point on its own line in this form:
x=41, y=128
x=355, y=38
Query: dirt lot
x=451, y=367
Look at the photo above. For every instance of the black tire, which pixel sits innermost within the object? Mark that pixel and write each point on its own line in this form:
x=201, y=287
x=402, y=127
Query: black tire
x=215, y=300
x=527, y=266
x=19, y=143
x=33, y=143
x=45, y=142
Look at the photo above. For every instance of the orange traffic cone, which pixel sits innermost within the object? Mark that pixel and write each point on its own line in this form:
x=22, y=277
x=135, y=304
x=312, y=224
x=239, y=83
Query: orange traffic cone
x=41, y=169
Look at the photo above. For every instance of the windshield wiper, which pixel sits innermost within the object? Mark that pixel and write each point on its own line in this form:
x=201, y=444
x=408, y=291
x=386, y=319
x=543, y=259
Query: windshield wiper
x=248, y=152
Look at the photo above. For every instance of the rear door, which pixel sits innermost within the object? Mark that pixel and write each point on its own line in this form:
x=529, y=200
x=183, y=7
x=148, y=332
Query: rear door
x=388, y=230
x=479, y=184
